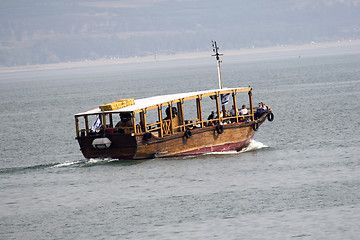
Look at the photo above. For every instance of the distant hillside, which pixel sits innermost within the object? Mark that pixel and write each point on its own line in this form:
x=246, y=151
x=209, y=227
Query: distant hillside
x=43, y=31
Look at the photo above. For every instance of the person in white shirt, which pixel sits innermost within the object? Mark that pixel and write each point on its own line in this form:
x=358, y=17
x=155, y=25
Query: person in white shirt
x=243, y=111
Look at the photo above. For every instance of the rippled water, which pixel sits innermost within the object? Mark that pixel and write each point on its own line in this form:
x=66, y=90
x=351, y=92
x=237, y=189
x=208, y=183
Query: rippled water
x=299, y=178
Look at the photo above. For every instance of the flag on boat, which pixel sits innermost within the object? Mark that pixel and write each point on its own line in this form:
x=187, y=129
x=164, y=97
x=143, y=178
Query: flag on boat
x=96, y=125
x=225, y=98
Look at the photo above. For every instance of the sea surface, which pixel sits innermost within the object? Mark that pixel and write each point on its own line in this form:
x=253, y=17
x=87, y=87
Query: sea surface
x=298, y=179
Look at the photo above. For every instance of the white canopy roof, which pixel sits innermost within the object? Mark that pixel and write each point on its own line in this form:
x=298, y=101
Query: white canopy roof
x=156, y=100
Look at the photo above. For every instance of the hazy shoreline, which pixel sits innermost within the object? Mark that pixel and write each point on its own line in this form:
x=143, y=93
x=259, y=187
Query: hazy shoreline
x=191, y=55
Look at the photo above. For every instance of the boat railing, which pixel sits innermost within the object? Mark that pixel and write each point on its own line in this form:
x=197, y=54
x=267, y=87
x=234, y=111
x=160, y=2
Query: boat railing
x=167, y=127
x=121, y=129
x=82, y=132
x=153, y=126
x=211, y=122
x=192, y=122
x=230, y=118
x=178, y=128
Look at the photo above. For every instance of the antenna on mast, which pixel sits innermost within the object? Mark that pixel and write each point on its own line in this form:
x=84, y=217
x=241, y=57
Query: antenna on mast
x=217, y=54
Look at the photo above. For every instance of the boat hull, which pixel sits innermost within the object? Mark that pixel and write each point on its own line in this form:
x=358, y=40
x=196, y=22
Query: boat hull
x=219, y=148
x=234, y=137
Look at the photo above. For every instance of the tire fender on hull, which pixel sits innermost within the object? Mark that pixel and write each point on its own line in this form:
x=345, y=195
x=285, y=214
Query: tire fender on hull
x=219, y=129
x=270, y=116
x=147, y=136
x=256, y=126
x=188, y=133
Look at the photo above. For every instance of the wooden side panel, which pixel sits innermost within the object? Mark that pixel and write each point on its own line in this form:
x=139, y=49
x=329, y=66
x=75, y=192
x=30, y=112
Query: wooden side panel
x=202, y=138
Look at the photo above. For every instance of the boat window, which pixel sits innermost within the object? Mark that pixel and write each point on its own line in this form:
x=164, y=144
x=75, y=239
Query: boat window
x=190, y=113
x=152, y=116
x=242, y=99
x=152, y=122
x=82, y=126
x=208, y=105
x=109, y=120
x=92, y=123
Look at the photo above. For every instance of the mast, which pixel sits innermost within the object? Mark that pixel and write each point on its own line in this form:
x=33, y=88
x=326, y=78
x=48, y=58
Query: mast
x=217, y=54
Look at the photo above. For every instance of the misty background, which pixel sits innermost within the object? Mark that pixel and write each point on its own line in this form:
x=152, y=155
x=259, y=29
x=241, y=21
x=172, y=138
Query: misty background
x=44, y=31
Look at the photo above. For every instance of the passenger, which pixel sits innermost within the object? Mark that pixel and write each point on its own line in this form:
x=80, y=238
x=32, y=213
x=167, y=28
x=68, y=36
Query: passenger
x=221, y=115
x=263, y=106
x=232, y=111
x=211, y=117
x=243, y=111
x=189, y=125
x=261, y=109
x=167, y=111
x=224, y=113
x=258, y=111
x=125, y=121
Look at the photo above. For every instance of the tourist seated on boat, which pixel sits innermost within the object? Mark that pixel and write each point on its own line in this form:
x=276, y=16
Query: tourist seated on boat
x=125, y=121
x=261, y=109
x=224, y=114
x=221, y=115
x=189, y=125
x=232, y=111
x=211, y=117
x=243, y=111
x=233, y=114
x=167, y=111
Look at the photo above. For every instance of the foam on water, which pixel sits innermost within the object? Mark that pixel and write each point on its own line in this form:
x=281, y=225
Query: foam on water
x=252, y=146
x=25, y=168
x=77, y=163
x=86, y=162
x=67, y=164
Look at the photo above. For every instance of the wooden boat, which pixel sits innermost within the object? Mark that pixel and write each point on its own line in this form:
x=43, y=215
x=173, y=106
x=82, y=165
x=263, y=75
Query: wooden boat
x=170, y=125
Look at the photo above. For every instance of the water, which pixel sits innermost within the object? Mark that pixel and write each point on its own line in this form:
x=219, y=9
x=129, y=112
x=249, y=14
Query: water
x=299, y=178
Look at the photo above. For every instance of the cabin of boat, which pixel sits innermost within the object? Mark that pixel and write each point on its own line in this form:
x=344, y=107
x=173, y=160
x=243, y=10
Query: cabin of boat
x=170, y=125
